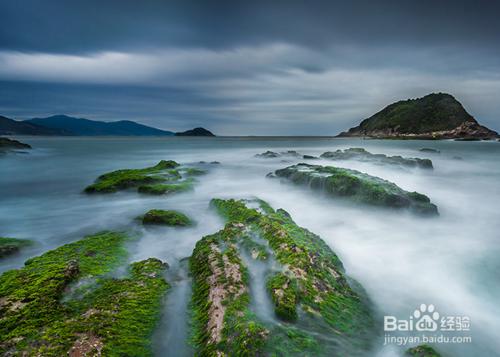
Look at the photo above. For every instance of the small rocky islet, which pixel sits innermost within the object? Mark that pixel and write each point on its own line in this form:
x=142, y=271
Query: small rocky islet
x=433, y=117
x=7, y=145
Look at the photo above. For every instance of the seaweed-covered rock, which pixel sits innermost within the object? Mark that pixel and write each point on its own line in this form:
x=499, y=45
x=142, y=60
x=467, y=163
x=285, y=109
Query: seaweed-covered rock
x=310, y=290
x=163, y=178
x=357, y=186
x=10, y=246
x=361, y=154
x=63, y=303
x=422, y=351
x=166, y=217
x=166, y=188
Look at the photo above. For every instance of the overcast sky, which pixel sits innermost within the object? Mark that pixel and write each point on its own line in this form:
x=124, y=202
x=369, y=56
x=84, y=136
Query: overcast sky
x=273, y=67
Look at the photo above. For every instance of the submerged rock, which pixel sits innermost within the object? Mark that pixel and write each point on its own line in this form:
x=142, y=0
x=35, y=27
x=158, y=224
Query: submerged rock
x=164, y=178
x=357, y=186
x=327, y=312
x=431, y=150
x=63, y=303
x=166, y=217
x=422, y=351
x=10, y=246
x=309, y=157
x=361, y=154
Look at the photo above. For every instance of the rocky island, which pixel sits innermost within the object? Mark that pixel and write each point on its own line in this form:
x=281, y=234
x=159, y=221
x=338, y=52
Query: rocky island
x=435, y=116
x=11, y=144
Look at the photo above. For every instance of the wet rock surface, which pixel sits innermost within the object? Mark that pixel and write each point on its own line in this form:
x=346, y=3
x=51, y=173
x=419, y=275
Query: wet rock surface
x=357, y=187
x=65, y=303
x=323, y=312
x=361, y=154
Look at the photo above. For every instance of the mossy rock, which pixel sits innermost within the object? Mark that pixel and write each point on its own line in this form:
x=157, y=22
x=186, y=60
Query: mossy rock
x=166, y=217
x=123, y=179
x=10, y=246
x=166, y=188
x=62, y=302
x=358, y=187
x=361, y=154
x=422, y=351
x=310, y=290
x=284, y=292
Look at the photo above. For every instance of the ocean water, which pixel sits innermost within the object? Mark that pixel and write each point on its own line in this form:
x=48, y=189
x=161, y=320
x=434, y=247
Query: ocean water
x=402, y=260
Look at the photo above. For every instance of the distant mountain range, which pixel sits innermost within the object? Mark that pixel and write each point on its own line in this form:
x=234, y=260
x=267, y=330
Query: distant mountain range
x=69, y=126
x=435, y=116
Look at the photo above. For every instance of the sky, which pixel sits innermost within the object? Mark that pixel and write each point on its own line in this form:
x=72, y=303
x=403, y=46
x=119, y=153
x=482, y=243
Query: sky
x=261, y=67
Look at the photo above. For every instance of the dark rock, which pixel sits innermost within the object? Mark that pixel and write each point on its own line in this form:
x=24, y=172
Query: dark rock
x=195, y=132
x=361, y=154
x=11, y=144
x=430, y=150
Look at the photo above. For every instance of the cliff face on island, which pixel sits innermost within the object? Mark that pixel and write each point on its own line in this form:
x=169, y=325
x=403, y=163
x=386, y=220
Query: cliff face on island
x=435, y=116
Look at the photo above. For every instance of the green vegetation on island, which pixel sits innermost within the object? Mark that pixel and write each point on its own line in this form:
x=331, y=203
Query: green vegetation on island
x=435, y=116
x=10, y=246
x=422, y=351
x=64, y=302
x=166, y=217
x=357, y=186
x=361, y=154
x=164, y=178
x=326, y=312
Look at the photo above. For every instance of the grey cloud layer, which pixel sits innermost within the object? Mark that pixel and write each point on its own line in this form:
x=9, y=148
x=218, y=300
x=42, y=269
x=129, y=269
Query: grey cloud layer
x=245, y=67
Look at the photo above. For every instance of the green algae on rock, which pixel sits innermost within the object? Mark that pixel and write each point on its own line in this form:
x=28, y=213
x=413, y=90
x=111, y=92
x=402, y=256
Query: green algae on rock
x=166, y=188
x=164, y=178
x=166, y=217
x=361, y=154
x=10, y=246
x=110, y=317
x=358, y=187
x=422, y=351
x=310, y=288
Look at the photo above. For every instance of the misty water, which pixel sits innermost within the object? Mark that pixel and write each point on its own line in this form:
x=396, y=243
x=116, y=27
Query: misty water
x=402, y=260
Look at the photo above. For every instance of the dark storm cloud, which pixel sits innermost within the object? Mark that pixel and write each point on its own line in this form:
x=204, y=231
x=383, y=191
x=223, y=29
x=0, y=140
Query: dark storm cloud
x=97, y=25
x=245, y=67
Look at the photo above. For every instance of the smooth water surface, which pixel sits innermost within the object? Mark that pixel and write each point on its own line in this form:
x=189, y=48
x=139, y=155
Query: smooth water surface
x=401, y=260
